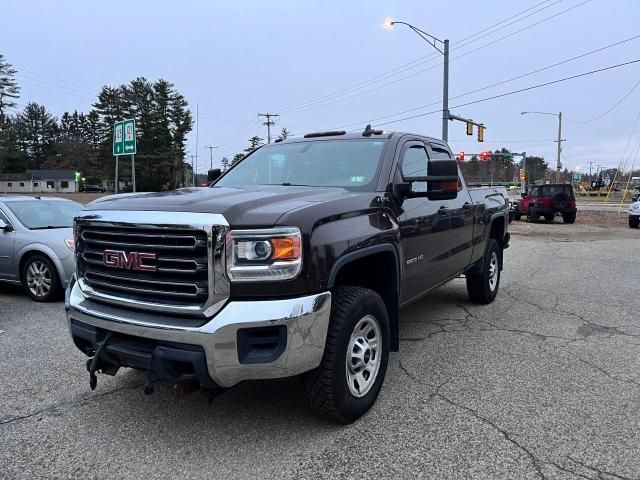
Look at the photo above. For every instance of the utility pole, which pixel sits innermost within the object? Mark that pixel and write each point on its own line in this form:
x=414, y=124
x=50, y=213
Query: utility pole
x=211, y=147
x=193, y=171
x=559, y=164
x=591, y=164
x=268, y=123
x=445, y=93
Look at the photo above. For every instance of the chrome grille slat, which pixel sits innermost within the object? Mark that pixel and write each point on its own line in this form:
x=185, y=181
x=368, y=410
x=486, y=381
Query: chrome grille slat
x=137, y=290
x=137, y=245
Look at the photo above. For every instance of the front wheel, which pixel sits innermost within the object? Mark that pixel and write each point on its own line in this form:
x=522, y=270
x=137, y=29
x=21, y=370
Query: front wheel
x=347, y=382
x=483, y=288
x=533, y=216
x=634, y=221
x=40, y=279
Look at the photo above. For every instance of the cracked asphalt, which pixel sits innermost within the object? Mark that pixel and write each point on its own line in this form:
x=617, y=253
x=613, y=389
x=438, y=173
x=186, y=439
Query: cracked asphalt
x=543, y=383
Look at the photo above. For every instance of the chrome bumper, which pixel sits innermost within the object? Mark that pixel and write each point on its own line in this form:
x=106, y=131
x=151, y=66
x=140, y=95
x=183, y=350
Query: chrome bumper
x=306, y=319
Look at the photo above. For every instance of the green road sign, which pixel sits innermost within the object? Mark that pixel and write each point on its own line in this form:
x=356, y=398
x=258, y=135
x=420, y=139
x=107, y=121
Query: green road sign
x=124, y=138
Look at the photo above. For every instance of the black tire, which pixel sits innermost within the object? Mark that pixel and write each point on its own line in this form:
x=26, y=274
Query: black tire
x=533, y=216
x=480, y=287
x=569, y=217
x=327, y=387
x=517, y=216
x=634, y=221
x=549, y=218
x=40, y=279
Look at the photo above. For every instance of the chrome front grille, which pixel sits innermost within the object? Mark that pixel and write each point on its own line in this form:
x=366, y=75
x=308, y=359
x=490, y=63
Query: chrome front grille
x=182, y=271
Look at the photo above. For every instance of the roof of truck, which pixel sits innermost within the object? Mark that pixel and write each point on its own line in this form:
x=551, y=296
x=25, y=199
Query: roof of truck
x=343, y=135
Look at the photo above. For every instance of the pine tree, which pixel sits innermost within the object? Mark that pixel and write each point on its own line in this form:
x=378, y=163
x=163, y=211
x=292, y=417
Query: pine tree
x=9, y=89
x=12, y=159
x=284, y=134
x=225, y=164
x=254, y=142
x=236, y=158
x=37, y=132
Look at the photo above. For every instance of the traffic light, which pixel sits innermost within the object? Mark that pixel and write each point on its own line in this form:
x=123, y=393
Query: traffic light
x=469, y=128
x=484, y=156
x=521, y=174
x=461, y=156
x=480, y=133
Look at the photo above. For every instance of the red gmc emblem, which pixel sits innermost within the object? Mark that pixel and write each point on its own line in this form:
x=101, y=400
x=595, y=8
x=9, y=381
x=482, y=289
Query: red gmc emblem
x=128, y=261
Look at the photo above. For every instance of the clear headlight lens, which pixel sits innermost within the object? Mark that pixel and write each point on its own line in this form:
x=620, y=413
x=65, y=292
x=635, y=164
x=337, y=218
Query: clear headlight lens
x=70, y=244
x=264, y=255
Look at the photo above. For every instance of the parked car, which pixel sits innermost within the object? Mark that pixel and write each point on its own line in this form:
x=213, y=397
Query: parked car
x=547, y=201
x=295, y=261
x=92, y=189
x=37, y=244
x=634, y=212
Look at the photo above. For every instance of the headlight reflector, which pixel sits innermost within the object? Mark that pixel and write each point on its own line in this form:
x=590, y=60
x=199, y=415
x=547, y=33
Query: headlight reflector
x=265, y=254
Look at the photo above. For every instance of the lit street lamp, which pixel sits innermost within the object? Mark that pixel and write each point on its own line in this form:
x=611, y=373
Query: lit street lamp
x=433, y=41
x=559, y=115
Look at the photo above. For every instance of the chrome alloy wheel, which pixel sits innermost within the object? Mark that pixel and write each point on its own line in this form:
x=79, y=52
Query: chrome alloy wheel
x=494, y=271
x=364, y=354
x=39, y=279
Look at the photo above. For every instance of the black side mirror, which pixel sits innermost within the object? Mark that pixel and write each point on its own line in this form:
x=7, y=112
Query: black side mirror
x=5, y=227
x=213, y=175
x=634, y=199
x=442, y=180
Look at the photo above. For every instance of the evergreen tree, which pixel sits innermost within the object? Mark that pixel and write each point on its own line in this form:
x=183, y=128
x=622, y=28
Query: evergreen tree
x=254, y=142
x=284, y=134
x=9, y=89
x=12, y=159
x=225, y=164
x=37, y=130
x=236, y=158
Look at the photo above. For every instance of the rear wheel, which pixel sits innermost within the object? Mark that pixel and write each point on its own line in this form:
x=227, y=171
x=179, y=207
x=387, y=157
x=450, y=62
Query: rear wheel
x=549, y=218
x=569, y=217
x=349, y=379
x=634, y=221
x=40, y=279
x=483, y=288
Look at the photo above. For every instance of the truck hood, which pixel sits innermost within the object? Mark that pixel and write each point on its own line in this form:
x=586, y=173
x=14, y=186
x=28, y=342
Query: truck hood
x=259, y=205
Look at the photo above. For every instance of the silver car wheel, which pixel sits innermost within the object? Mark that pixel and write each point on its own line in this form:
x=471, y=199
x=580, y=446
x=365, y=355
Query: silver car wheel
x=39, y=279
x=364, y=354
x=494, y=271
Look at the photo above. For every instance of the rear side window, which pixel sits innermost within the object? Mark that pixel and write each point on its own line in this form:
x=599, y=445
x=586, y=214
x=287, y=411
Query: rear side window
x=439, y=152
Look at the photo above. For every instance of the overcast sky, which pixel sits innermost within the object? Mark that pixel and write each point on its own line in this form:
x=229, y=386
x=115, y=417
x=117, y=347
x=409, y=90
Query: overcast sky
x=326, y=64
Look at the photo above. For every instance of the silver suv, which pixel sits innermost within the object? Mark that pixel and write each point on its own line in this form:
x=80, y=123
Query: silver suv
x=36, y=244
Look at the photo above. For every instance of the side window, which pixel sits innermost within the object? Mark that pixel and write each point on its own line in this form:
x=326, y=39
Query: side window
x=3, y=217
x=414, y=164
x=64, y=184
x=439, y=153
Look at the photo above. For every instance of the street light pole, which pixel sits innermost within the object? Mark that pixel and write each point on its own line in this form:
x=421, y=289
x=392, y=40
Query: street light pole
x=431, y=40
x=445, y=94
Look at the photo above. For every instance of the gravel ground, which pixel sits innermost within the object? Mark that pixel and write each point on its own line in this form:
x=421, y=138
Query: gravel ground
x=543, y=383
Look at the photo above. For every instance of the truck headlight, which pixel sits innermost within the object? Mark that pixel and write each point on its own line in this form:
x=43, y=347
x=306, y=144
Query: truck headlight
x=264, y=254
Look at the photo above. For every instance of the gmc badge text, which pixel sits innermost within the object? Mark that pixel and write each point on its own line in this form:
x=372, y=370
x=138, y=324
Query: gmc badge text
x=296, y=261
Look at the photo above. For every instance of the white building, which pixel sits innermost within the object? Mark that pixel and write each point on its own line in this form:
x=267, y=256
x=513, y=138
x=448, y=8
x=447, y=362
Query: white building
x=39, y=181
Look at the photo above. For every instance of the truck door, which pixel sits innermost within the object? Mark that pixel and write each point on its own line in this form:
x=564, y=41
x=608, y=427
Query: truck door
x=422, y=230
x=460, y=214
x=7, y=240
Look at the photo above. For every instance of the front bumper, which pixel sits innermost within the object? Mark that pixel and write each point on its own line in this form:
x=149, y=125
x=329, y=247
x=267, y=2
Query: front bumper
x=305, y=320
x=552, y=211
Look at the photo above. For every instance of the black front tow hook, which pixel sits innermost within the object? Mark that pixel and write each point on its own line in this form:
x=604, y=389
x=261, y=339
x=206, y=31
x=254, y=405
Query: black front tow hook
x=92, y=364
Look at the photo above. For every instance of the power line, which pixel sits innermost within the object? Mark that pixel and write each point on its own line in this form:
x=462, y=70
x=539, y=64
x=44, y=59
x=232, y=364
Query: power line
x=517, y=77
x=611, y=109
x=313, y=105
x=410, y=65
x=513, y=92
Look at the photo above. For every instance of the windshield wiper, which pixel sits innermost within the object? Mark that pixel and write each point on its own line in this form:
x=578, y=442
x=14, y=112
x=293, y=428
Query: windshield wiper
x=50, y=227
x=288, y=184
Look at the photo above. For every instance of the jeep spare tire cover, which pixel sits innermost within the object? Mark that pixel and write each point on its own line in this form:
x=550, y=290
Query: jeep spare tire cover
x=560, y=201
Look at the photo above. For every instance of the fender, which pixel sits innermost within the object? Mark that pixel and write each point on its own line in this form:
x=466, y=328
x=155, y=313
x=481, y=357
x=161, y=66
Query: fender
x=45, y=250
x=476, y=268
x=394, y=297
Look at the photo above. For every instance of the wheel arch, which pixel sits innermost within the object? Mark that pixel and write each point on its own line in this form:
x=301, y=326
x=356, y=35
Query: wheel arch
x=355, y=268
x=39, y=249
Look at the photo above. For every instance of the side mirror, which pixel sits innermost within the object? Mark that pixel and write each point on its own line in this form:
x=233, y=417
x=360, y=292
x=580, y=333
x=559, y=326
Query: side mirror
x=634, y=199
x=5, y=227
x=214, y=174
x=523, y=194
x=442, y=180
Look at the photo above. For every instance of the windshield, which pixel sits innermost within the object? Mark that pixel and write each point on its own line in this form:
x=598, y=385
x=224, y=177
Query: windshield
x=352, y=164
x=550, y=190
x=39, y=214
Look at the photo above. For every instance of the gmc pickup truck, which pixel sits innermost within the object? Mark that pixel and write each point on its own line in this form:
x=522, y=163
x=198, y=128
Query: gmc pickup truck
x=296, y=261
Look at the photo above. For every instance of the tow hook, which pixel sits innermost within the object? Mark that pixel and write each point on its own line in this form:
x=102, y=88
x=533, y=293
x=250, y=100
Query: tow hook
x=92, y=365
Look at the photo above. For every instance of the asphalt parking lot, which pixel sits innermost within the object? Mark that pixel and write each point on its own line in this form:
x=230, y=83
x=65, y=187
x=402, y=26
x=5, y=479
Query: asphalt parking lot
x=543, y=383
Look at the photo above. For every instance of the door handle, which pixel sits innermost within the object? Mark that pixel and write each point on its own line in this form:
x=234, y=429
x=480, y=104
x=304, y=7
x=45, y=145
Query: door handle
x=467, y=206
x=443, y=210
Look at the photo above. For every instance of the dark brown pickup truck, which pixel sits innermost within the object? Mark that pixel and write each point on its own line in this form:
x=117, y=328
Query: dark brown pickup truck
x=295, y=262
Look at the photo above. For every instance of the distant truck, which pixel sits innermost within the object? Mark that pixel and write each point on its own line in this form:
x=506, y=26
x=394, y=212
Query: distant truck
x=547, y=201
x=296, y=261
